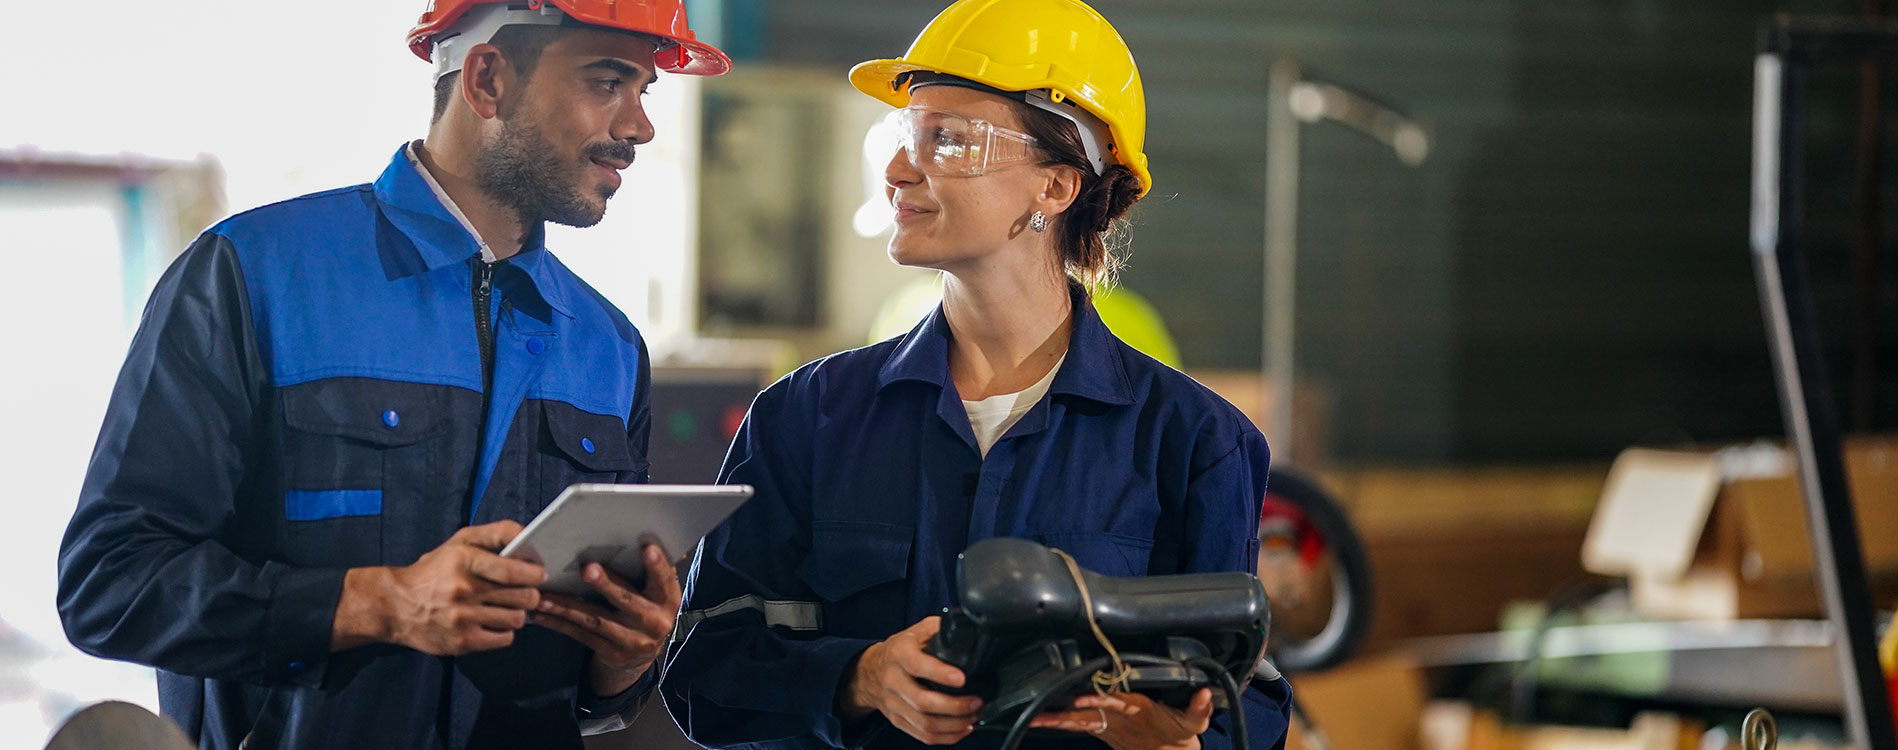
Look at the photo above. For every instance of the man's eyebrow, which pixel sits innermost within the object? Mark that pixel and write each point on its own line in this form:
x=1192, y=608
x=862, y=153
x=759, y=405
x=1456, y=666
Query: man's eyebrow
x=621, y=68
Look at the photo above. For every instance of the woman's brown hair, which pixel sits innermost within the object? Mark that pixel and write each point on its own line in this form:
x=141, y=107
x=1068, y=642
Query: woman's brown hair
x=1085, y=234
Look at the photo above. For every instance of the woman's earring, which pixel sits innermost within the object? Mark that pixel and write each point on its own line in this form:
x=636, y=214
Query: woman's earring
x=1038, y=222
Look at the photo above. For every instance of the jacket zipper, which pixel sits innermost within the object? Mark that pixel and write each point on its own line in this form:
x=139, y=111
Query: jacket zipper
x=484, y=333
x=484, y=327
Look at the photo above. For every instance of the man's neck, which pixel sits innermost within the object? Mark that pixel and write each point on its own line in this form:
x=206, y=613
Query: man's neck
x=452, y=169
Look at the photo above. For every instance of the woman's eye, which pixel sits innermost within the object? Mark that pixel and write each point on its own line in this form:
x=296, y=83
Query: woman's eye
x=949, y=143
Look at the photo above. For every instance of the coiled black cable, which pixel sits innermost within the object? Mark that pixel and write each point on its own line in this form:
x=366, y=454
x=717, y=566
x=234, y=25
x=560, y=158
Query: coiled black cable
x=1234, y=694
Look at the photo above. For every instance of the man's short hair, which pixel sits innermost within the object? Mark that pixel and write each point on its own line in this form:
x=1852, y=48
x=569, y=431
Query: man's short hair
x=520, y=44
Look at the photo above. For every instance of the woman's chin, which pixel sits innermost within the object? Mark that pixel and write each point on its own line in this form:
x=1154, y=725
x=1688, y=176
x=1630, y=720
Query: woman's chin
x=903, y=254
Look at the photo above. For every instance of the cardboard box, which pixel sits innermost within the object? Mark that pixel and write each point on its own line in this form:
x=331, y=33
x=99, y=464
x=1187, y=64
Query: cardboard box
x=1450, y=548
x=1722, y=534
x=1374, y=702
x=1456, y=725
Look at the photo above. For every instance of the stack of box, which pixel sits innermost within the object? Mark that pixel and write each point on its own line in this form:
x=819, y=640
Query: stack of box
x=1722, y=534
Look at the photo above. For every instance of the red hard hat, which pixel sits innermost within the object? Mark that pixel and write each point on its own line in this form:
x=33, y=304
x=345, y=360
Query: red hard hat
x=660, y=18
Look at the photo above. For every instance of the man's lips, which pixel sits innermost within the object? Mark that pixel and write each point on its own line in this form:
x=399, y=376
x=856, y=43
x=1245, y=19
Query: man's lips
x=611, y=168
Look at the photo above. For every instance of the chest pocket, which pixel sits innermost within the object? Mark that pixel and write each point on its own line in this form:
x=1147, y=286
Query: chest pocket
x=581, y=447
x=351, y=446
x=859, y=569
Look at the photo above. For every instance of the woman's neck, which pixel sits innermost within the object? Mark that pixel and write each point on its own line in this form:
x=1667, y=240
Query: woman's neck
x=1009, y=329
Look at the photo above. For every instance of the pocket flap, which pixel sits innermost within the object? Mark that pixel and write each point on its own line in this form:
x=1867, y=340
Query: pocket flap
x=381, y=412
x=850, y=556
x=1101, y=552
x=595, y=441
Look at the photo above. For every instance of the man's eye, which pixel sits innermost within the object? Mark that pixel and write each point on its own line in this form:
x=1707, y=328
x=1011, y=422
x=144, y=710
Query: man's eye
x=609, y=85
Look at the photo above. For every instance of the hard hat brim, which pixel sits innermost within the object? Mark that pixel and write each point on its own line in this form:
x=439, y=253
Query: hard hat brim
x=877, y=78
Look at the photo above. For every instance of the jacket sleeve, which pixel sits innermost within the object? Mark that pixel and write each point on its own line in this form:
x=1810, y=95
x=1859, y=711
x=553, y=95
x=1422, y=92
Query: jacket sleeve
x=1222, y=520
x=750, y=664
x=144, y=572
x=602, y=714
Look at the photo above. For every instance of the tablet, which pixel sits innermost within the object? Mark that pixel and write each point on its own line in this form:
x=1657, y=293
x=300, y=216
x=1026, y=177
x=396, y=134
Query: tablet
x=611, y=524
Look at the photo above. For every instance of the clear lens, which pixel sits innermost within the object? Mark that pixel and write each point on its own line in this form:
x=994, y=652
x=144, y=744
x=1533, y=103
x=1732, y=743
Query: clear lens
x=944, y=143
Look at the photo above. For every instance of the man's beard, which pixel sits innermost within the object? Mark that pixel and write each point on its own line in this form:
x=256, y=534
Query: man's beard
x=521, y=170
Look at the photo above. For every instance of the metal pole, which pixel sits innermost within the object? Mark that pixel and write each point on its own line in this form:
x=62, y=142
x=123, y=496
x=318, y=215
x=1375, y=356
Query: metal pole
x=1792, y=330
x=1281, y=253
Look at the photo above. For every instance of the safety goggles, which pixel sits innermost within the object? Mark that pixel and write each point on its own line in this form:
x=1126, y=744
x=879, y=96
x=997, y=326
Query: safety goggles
x=945, y=143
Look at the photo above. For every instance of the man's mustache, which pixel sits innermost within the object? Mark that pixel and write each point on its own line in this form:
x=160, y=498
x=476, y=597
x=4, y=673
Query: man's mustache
x=612, y=151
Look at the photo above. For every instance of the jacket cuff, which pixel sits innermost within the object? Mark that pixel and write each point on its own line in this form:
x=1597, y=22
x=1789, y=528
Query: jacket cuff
x=826, y=663
x=601, y=714
x=299, y=623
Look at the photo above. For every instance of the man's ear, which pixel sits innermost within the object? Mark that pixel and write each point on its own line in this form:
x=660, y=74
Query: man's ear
x=487, y=78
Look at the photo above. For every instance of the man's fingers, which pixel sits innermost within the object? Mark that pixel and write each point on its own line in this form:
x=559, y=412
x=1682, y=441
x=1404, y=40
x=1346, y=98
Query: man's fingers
x=613, y=635
x=506, y=571
x=567, y=628
x=511, y=597
x=662, y=579
x=495, y=618
x=636, y=610
x=490, y=536
x=584, y=614
x=482, y=639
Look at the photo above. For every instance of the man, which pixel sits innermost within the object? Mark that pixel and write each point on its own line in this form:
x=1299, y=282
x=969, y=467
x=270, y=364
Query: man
x=339, y=407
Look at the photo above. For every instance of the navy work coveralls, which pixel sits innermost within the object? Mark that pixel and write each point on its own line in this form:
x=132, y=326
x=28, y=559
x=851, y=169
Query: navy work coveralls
x=869, y=484
x=306, y=394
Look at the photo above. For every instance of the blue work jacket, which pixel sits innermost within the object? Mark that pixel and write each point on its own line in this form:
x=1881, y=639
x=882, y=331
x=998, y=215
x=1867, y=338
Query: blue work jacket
x=306, y=394
x=869, y=484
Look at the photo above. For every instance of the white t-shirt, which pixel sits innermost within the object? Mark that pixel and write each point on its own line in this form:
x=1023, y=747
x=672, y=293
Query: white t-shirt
x=991, y=417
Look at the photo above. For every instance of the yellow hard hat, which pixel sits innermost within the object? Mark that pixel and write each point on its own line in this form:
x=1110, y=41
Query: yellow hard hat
x=1062, y=46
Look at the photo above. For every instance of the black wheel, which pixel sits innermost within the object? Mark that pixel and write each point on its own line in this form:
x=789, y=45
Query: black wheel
x=1316, y=574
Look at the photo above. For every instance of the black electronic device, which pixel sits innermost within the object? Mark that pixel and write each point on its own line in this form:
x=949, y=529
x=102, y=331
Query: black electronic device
x=1025, y=642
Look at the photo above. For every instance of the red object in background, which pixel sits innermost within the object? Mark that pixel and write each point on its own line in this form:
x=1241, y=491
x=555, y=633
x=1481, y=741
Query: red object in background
x=1279, y=512
x=733, y=418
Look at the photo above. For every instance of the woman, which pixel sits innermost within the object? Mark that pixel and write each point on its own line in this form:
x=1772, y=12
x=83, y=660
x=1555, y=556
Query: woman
x=1010, y=411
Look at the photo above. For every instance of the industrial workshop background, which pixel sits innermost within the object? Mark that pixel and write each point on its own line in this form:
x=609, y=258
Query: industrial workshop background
x=1479, y=334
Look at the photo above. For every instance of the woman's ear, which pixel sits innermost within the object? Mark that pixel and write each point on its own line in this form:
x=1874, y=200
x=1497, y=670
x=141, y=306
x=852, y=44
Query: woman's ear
x=486, y=77
x=1060, y=189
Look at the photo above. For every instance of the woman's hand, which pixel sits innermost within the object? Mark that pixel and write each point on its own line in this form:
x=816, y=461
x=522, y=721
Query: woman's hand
x=884, y=681
x=1134, y=721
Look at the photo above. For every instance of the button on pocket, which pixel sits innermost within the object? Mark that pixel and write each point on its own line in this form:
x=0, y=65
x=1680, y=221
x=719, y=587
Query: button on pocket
x=339, y=429
x=340, y=437
x=580, y=447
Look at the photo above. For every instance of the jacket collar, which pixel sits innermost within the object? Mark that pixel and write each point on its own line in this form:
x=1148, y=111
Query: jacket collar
x=1093, y=369
x=423, y=214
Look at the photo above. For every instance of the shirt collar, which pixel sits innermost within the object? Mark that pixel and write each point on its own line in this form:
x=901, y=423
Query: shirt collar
x=415, y=203
x=1092, y=370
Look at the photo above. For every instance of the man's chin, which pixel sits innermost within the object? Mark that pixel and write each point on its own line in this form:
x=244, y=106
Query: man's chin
x=581, y=215
x=578, y=222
